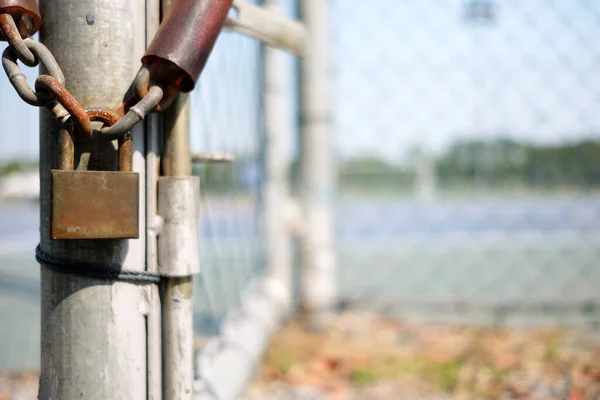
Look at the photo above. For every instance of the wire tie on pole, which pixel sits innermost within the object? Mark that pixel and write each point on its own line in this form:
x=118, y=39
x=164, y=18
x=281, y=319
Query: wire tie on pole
x=91, y=270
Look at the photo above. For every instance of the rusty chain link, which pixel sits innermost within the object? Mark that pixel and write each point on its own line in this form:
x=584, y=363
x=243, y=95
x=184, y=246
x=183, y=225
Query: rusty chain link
x=135, y=114
x=51, y=93
x=169, y=66
x=16, y=42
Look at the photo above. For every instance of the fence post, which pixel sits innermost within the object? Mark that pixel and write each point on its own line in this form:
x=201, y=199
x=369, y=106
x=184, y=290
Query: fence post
x=94, y=339
x=153, y=148
x=276, y=196
x=318, y=261
x=177, y=292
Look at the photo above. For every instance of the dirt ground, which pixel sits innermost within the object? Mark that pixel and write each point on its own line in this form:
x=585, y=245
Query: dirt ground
x=367, y=357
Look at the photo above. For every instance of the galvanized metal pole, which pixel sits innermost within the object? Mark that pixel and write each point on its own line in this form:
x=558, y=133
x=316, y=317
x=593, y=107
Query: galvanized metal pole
x=153, y=124
x=154, y=223
x=177, y=292
x=268, y=25
x=276, y=196
x=94, y=340
x=318, y=264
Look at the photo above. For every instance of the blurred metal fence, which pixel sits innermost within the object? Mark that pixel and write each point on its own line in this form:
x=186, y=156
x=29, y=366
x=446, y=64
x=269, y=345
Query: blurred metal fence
x=226, y=112
x=467, y=133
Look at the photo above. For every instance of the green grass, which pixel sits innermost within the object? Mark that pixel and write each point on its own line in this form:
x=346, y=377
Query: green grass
x=445, y=375
x=442, y=374
x=364, y=376
x=283, y=361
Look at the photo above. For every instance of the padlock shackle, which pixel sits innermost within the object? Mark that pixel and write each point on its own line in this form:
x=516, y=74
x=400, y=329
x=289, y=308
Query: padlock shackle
x=95, y=204
x=126, y=153
x=66, y=150
x=66, y=154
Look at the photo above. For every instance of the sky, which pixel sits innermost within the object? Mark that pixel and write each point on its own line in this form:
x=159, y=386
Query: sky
x=414, y=73
x=405, y=74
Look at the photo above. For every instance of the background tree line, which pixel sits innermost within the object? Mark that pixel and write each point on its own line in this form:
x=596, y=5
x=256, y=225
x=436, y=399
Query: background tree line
x=471, y=162
x=482, y=163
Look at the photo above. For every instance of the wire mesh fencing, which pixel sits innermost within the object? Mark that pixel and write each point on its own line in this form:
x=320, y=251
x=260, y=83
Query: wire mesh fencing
x=237, y=304
x=226, y=120
x=467, y=136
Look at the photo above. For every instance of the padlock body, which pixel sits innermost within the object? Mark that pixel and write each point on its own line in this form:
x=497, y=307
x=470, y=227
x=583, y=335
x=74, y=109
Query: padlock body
x=94, y=205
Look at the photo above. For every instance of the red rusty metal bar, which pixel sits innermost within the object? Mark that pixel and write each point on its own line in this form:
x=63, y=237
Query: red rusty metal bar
x=25, y=13
x=185, y=39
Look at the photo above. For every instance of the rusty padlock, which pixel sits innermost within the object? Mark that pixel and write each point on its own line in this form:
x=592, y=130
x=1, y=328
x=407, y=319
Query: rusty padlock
x=94, y=204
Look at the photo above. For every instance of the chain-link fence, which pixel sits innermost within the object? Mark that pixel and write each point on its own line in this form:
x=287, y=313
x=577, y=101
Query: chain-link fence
x=226, y=113
x=467, y=136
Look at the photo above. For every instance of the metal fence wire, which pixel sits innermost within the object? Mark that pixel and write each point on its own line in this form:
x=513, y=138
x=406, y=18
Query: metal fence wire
x=226, y=119
x=467, y=137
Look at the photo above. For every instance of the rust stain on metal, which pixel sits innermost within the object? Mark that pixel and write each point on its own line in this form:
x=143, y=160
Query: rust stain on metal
x=47, y=83
x=94, y=205
x=7, y=32
x=141, y=82
x=25, y=13
x=185, y=39
x=106, y=116
x=126, y=154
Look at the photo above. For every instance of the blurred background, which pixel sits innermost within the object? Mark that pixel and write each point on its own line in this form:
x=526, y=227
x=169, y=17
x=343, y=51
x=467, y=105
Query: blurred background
x=466, y=139
x=467, y=145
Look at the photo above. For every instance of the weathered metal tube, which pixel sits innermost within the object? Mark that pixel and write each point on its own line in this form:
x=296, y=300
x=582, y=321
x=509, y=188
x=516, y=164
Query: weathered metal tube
x=185, y=39
x=269, y=27
x=178, y=240
x=94, y=344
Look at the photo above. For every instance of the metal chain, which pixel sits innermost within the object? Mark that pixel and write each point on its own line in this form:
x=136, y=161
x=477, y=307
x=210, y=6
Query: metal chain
x=135, y=114
x=11, y=34
x=51, y=93
x=18, y=79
